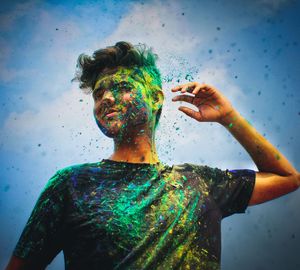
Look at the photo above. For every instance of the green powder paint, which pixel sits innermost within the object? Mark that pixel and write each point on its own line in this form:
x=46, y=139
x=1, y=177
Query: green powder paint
x=140, y=81
x=140, y=216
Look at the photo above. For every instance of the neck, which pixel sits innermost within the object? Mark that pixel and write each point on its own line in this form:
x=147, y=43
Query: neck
x=136, y=147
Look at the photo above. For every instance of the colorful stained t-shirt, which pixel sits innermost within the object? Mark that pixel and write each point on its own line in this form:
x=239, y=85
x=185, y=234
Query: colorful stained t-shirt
x=119, y=215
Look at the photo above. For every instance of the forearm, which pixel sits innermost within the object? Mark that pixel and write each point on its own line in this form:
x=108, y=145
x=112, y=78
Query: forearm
x=266, y=157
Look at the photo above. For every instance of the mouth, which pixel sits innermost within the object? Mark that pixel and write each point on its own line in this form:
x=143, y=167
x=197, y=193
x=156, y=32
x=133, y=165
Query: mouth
x=110, y=113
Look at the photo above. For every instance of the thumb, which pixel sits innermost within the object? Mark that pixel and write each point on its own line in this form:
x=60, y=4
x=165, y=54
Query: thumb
x=189, y=112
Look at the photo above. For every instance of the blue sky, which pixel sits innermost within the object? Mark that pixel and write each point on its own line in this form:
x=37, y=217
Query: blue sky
x=249, y=50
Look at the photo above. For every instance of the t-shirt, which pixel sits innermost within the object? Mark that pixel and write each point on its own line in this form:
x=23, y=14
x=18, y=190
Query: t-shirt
x=120, y=215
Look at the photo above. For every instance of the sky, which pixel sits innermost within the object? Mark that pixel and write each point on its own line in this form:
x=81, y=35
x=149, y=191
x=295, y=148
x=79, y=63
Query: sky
x=249, y=50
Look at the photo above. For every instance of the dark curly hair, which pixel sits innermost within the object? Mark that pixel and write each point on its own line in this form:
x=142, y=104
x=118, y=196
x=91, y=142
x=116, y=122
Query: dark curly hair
x=122, y=54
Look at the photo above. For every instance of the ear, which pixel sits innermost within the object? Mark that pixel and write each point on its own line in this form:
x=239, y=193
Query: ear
x=158, y=99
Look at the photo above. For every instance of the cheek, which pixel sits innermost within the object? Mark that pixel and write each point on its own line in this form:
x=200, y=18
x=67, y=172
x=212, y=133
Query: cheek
x=130, y=102
x=135, y=105
x=127, y=97
x=96, y=110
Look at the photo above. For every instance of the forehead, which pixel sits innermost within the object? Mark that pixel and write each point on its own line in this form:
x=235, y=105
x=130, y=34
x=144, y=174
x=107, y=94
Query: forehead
x=131, y=75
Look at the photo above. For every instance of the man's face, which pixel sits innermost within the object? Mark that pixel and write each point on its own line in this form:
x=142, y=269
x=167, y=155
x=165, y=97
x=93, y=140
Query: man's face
x=121, y=104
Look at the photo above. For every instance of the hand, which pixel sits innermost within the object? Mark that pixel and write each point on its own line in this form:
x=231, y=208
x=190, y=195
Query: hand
x=212, y=105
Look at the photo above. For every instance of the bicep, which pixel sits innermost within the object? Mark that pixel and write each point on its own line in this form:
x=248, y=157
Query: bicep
x=269, y=186
x=231, y=190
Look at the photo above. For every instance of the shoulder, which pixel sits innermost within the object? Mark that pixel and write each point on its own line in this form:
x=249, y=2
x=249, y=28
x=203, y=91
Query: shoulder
x=214, y=174
x=193, y=174
x=197, y=169
x=61, y=178
x=79, y=169
x=203, y=173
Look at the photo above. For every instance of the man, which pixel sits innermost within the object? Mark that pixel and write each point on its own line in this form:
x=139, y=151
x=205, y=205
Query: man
x=131, y=211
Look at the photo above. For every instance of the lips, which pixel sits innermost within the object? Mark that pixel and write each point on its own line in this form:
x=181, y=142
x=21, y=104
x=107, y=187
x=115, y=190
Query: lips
x=110, y=113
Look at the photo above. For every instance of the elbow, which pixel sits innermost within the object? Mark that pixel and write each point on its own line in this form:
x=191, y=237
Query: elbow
x=298, y=179
x=295, y=178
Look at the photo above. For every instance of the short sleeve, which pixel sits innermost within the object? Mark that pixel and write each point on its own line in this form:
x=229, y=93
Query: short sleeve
x=231, y=189
x=41, y=239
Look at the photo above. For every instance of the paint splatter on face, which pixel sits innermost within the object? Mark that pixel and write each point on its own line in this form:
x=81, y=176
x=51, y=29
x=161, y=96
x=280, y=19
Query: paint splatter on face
x=123, y=103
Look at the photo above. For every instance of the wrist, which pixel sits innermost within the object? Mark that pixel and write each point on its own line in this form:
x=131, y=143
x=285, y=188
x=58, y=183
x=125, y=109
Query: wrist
x=229, y=118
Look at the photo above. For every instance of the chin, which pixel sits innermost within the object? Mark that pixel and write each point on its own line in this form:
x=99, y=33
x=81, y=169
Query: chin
x=117, y=129
x=110, y=132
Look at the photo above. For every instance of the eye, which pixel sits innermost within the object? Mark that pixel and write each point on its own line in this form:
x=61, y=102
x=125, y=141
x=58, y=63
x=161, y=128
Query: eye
x=125, y=87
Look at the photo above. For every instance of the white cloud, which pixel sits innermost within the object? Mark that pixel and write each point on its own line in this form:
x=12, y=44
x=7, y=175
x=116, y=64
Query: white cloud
x=175, y=28
x=158, y=24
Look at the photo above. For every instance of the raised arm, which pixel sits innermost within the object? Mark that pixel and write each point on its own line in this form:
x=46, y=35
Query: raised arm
x=276, y=176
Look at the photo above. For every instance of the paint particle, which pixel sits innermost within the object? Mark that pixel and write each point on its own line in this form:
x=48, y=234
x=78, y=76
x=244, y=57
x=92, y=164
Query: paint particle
x=189, y=77
x=230, y=125
x=131, y=186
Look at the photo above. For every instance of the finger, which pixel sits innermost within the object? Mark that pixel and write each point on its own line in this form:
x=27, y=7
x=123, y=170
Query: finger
x=205, y=87
x=177, y=88
x=184, y=89
x=183, y=86
x=189, y=112
x=188, y=88
x=185, y=98
x=196, y=90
